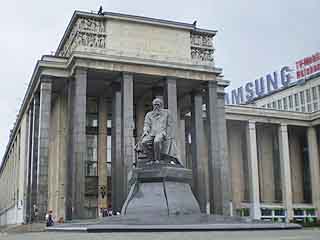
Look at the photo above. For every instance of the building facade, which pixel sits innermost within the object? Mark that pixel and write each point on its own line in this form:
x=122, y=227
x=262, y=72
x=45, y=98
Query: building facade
x=301, y=96
x=72, y=147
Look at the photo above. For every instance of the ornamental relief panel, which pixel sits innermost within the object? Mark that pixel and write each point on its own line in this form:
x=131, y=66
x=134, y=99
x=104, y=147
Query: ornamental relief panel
x=202, y=54
x=201, y=47
x=87, y=32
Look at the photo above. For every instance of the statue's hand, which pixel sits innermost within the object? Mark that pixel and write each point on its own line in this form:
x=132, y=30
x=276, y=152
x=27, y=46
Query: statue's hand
x=164, y=135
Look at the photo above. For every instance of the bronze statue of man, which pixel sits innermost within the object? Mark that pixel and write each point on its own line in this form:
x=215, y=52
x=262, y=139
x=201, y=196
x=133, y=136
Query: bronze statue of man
x=159, y=130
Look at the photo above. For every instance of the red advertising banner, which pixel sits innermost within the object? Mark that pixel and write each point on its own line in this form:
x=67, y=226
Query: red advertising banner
x=308, y=66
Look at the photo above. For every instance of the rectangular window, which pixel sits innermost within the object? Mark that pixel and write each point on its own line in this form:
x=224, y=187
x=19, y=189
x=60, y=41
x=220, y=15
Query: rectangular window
x=285, y=104
x=92, y=105
x=296, y=99
x=290, y=102
x=109, y=123
x=92, y=120
x=269, y=105
x=309, y=107
x=274, y=105
x=303, y=109
x=308, y=95
x=109, y=149
x=314, y=94
x=92, y=112
x=302, y=100
x=279, y=105
x=315, y=107
x=92, y=155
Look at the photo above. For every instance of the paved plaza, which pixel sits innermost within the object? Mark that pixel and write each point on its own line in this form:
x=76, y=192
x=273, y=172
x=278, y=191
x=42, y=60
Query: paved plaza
x=308, y=234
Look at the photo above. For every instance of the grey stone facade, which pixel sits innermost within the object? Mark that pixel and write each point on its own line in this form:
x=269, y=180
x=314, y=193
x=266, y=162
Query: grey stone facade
x=123, y=71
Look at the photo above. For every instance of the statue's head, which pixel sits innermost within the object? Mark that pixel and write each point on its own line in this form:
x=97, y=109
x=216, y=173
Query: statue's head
x=157, y=104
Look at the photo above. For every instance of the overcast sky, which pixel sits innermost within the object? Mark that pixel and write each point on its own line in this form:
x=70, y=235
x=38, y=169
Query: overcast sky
x=254, y=37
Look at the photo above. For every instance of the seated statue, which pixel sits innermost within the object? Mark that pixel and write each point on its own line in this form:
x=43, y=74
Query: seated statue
x=158, y=138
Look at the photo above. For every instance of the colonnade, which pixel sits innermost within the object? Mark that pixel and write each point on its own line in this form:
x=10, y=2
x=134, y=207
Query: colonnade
x=286, y=154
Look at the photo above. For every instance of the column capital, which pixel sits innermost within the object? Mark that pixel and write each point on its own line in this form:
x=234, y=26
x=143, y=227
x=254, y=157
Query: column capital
x=170, y=78
x=312, y=128
x=252, y=124
x=212, y=84
x=80, y=70
x=283, y=127
x=46, y=79
x=127, y=74
x=219, y=88
x=46, y=85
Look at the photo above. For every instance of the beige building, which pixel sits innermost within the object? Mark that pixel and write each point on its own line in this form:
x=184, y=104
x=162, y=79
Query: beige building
x=301, y=96
x=72, y=147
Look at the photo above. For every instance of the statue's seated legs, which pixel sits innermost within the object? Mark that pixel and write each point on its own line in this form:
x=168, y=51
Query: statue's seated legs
x=152, y=146
x=147, y=147
x=157, y=142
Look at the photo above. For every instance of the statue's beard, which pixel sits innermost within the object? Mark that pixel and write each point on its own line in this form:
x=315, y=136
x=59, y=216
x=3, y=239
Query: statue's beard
x=156, y=110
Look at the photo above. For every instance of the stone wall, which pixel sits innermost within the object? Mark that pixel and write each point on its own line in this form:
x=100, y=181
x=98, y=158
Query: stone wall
x=236, y=148
x=296, y=160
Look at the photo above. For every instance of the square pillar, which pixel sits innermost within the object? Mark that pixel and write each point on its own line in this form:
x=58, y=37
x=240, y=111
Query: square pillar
x=285, y=170
x=116, y=150
x=313, y=152
x=253, y=170
x=123, y=155
x=43, y=147
x=128, y=125
x=28, y=205
x=140, y=114
x=171, y=103
x=182, y=140
x=78, y=146
x=102, y=154
x=218, y=163
x=34, y=157
x=199, y=163
x=170, y=100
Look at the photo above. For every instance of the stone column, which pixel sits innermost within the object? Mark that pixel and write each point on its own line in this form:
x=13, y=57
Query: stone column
x=170, y=102
x=253, y=170
x=43, y=147
x=218, y=164
x=116, y=153
x=313, y=152
x=285, y=170
x=199, y=163
x=182, y=146
x=140, y=113
x=78, y=142
x=28, y=204
x=102, y=153
x=127, y=142
x=34, y=157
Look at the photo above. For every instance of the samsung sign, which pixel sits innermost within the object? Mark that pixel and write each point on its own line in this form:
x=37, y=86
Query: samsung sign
x=273, y=81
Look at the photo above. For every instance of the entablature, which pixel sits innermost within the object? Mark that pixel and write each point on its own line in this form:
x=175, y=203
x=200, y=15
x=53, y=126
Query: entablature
x=246, y=113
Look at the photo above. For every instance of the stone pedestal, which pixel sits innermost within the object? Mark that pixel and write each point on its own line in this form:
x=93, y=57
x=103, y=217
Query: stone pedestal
x=160, y=190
